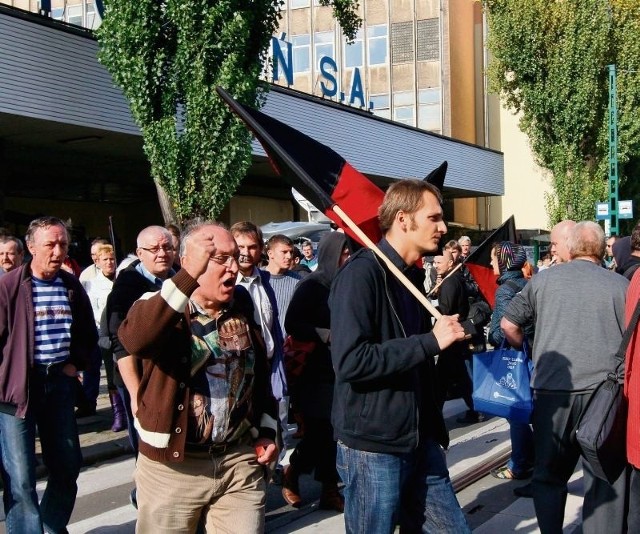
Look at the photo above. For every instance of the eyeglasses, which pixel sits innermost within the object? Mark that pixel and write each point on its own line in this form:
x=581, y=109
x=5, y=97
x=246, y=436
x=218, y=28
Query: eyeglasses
x=225, y=260
x=156, y=249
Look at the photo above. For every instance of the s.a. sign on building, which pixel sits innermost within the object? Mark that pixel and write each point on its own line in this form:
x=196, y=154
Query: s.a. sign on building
x=283, y=64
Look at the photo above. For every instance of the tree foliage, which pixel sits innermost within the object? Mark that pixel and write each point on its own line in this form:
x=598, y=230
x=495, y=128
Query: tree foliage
x=549, y=63
x=168, y=56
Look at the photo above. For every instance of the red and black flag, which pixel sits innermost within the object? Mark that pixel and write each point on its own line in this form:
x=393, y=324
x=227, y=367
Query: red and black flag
x=479, y=261
x=319, y=173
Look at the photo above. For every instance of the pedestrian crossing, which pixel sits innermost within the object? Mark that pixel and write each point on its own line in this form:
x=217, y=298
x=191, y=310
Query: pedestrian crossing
x=102, y=505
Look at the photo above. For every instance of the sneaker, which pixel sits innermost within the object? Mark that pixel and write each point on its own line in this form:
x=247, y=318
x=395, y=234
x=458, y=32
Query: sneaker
x=471, y=417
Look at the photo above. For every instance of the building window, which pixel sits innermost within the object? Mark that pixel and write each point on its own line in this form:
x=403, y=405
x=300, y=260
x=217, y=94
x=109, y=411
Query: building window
x=402, y=42
x=429, y=109
x=354, y=52
x=74, y=15
x=381, y=105
x=404, y=108
x=294, y=4
x=377, y=37
x=324, y=46
x=428, y=39
x=301, y=53
x=81, y=13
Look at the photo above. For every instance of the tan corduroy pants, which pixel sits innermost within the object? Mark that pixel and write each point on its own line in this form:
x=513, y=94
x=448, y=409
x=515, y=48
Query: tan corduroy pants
x=227, y=492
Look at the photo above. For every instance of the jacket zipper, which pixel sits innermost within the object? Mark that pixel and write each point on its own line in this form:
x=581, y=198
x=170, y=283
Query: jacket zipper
x=395, y=313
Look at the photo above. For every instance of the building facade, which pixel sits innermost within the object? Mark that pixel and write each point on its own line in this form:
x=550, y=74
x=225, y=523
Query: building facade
x=68, y=144
x=420, y=63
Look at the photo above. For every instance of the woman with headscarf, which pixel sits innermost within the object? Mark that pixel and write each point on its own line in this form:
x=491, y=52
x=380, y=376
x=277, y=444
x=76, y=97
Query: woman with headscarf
x=507, y=260
x=307, y=319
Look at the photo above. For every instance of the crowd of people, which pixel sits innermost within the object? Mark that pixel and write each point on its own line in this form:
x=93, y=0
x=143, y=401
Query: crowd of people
x=195, y=331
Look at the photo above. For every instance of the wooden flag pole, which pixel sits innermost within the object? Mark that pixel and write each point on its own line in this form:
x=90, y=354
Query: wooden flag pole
x=398, y=274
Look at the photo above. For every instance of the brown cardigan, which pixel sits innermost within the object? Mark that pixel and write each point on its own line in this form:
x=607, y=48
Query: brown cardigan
x=157, y=329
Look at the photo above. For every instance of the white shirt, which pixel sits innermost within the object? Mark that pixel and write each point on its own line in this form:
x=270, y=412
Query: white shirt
x=98, y=289
x=263, y=312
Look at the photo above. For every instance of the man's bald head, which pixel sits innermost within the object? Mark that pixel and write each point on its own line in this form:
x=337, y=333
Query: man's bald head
x=559, y=235
x=155, y=250
x=443, y=263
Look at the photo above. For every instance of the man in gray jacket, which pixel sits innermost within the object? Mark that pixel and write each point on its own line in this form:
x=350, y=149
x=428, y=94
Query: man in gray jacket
x=578, y=311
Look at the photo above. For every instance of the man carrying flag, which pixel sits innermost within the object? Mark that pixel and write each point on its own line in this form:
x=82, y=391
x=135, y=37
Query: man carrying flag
x=387, y=421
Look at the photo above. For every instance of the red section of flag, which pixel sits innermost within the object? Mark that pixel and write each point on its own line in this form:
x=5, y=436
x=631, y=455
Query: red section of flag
x=359, y=198
x=318, y=172
x=486, y=281
x=479, y=261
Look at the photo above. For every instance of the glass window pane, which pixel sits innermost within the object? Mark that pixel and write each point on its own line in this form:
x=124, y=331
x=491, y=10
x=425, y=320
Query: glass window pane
x=404, y=113
x=293, y=4
x=404, y=98
x=299, y=40
x=377, y=51
x=384, y=113
x=379, y=101
x=429, y=96
x=429, y=118
x=379, y=30
x=323, y=45
x=301, y=53
x=353, y=54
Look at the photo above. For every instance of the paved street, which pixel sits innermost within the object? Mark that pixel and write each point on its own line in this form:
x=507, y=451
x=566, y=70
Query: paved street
x=103, y=504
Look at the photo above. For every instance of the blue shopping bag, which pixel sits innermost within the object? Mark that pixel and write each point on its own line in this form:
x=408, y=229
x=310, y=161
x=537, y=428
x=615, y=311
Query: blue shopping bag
x=501, y=383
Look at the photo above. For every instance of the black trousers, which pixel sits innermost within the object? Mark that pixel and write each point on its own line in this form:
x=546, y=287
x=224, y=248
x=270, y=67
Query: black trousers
x=555, y=418
x=316, y=451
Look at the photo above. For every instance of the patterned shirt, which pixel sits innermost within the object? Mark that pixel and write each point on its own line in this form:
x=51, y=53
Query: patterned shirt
x=52, y=321
x=222, y=373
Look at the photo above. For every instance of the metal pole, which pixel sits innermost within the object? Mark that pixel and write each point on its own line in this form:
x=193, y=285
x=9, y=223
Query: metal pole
x=613, y=152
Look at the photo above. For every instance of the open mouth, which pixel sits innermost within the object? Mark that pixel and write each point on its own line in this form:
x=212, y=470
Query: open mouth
x=229, y=283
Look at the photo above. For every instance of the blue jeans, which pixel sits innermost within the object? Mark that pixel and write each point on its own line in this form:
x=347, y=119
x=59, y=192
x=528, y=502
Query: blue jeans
x=91, y=377
x=411, y=489
x=51, y=405
x=521, y=447
x=133, y=433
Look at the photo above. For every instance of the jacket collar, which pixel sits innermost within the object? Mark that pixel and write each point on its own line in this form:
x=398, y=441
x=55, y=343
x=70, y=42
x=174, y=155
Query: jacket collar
x=395, y=258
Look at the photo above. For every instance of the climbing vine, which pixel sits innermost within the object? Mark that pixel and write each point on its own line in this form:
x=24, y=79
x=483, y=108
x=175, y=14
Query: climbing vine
x=549, y=64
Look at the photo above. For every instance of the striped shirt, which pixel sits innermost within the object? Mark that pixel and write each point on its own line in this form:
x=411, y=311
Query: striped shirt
x=283, y=286
x=52, y=321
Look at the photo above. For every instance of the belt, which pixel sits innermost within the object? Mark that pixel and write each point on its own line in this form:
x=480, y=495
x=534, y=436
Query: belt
x=50, y=369
x=212, y=449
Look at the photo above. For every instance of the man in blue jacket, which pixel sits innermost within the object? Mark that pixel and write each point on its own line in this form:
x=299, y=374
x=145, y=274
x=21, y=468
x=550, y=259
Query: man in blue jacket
x=389, y=427
x=47, y=334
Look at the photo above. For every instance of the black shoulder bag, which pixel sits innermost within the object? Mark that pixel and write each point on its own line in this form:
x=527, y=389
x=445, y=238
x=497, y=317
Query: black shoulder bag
x=602, y=429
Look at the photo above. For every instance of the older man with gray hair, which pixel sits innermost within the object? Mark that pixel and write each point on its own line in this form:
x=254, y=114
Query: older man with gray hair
x=11, y=254
x=47, y=334
x=206, y=417
x=578, y=312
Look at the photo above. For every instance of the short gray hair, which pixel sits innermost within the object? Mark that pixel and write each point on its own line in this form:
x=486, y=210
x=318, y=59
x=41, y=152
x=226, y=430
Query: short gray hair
x=191, y=227
x=44, y=222
x=8, y=238
x=586, y=238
